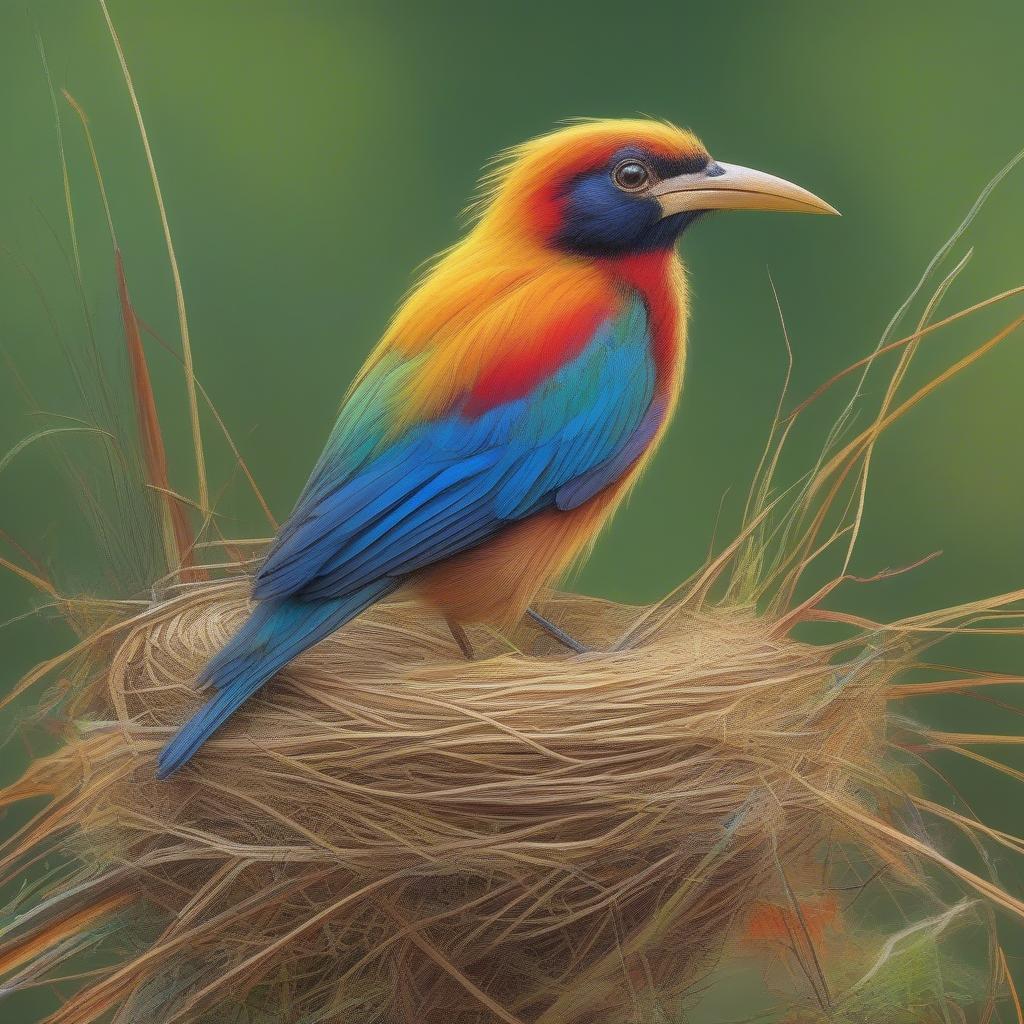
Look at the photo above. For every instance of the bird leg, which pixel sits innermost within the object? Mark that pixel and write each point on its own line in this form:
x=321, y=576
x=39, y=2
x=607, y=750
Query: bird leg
x=460, y=637
x=558, y=633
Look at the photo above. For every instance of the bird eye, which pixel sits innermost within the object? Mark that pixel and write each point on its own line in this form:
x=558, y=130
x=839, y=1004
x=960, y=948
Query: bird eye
x=631, y=175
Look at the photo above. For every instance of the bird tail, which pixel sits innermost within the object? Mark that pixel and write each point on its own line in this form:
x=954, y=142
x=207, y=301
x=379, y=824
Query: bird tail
x=274, y=634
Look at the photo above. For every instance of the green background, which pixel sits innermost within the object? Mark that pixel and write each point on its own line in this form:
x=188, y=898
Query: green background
x=313, y=154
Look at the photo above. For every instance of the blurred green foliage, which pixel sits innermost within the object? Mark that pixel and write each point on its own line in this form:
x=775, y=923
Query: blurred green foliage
x=313, y=154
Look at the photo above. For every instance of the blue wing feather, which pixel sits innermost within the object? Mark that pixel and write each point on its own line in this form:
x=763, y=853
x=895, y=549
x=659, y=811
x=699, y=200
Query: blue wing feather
x=372, y=511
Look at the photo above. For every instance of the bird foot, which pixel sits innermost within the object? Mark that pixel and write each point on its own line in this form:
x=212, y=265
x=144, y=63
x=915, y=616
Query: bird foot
x=460, y=637
x=558, y=633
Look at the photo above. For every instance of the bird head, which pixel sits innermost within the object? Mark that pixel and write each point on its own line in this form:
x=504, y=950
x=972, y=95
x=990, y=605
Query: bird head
x=619, y=187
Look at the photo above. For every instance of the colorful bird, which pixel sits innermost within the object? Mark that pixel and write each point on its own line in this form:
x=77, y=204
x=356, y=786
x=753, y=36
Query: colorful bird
x=514, y=399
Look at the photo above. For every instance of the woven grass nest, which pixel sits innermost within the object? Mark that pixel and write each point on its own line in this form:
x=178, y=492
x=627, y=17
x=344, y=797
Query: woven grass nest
x=423, y=838
x=393, y=833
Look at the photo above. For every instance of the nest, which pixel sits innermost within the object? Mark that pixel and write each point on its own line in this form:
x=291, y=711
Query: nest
x=417, y=837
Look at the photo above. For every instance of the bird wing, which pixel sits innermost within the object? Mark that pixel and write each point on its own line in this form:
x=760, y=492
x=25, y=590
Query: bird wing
x=383, y=504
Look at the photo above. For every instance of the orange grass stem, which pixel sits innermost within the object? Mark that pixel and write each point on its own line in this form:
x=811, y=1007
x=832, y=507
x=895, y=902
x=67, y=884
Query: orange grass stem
x=893, y=345
x=63, y=927
x=951, y=686
x=177, y=534
x=982, y=885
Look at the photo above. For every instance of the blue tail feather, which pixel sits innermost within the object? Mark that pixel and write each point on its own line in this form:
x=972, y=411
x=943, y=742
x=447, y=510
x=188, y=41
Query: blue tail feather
x=274, y=634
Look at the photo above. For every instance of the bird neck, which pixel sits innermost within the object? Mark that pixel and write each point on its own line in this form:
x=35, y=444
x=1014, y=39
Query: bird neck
x=487, y=268
x=660, y=281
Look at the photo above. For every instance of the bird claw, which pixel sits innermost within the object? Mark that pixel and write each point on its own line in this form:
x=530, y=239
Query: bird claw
x=559, y=634
x=460, y=637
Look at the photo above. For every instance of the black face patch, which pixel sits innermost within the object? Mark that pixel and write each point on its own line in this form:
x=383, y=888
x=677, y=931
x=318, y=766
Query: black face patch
x=666, y=167
x=601, y=219
x=662, y=166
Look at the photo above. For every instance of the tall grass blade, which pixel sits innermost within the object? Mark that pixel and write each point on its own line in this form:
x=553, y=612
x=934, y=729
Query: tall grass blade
x=179, y=295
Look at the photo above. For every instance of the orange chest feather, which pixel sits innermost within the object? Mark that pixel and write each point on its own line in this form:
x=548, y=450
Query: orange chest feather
x=484, y=339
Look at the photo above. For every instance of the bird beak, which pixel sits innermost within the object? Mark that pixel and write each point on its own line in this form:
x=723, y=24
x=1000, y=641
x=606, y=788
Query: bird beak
x=731, y=187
